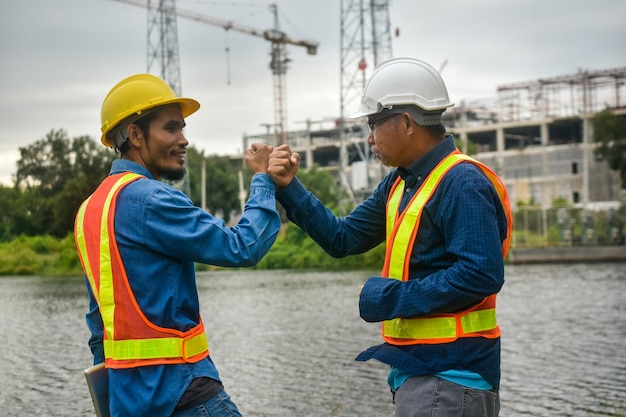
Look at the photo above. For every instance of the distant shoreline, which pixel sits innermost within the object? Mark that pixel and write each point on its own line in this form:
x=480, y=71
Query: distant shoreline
x=567, y=254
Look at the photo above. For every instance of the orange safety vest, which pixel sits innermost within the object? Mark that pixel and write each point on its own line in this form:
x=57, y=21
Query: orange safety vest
x=477, y=321
x=130, y=339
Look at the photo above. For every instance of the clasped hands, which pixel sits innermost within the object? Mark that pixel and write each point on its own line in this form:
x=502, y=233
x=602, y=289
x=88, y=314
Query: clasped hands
x=280, y=163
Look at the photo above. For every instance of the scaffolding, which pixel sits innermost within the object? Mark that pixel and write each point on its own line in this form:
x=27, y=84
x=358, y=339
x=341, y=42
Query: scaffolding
x=564, y=96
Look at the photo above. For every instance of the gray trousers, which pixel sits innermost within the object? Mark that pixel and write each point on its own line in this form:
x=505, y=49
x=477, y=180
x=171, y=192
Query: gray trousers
x=429, y=396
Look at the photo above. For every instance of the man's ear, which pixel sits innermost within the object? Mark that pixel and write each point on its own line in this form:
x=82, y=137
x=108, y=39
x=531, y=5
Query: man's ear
x=407, y=119
x=134, y=134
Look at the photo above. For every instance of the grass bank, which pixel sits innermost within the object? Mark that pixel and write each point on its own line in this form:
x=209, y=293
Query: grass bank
x=39, y=255
x=50, y=256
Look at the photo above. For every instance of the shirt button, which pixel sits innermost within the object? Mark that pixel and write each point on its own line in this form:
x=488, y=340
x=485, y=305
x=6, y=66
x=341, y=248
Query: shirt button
x=419, y=178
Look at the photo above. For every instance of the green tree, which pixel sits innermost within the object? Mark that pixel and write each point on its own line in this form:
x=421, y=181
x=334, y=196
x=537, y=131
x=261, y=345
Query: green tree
x=55, y=174
x=610, y=134
x=322, y=184
x=92, y=162
x=222, y=186
x=31, y=215
x=194, y=172
x=472, y=147
x=221, y=183
x=8, y=202
x=45, y=164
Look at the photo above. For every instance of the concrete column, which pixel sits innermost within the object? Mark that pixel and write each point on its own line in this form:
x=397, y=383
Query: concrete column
x=545, y=139
x=309, y=145
x=545, y=192
x=463, y=134
x=586, y=135
x=500, y=152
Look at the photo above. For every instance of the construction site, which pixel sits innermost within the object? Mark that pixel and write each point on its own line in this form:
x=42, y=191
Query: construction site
x=536, y=135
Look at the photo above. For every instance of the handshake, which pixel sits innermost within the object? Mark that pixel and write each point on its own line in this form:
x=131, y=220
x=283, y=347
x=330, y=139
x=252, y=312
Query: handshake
x=279, y=163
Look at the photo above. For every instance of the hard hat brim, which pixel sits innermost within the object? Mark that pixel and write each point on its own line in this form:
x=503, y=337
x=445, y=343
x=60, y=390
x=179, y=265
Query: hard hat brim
x=188, y=106
x=368, y=107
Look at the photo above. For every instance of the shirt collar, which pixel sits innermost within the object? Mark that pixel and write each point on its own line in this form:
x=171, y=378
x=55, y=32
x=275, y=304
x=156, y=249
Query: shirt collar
x=420, y=169
x=124, y=165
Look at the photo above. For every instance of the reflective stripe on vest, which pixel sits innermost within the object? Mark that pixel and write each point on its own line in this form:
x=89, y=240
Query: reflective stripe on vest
x=477, y=321
x=130, y=339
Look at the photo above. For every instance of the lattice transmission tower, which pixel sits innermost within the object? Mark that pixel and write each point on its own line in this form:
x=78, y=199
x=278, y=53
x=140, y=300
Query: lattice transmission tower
x=365, y=42
x=163, y=55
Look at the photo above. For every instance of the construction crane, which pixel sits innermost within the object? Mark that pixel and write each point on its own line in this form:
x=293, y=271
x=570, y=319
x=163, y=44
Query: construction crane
x=278, y=63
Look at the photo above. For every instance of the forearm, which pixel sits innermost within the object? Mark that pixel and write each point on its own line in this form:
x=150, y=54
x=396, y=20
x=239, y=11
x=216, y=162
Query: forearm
x=442, y=292
x=355, y=233
x=307, y=212
x=255, y=232
x=477, y=271
x=177, y=228
x=454, y=266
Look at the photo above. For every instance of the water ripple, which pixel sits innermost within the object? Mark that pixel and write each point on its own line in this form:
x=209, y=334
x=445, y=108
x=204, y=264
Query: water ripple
x=285, y=343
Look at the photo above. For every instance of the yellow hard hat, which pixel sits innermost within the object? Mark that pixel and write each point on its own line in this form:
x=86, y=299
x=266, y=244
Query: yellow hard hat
x=136, y=94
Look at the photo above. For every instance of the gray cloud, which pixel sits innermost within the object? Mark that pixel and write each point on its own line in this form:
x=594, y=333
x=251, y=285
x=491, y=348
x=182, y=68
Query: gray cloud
x=60, y=58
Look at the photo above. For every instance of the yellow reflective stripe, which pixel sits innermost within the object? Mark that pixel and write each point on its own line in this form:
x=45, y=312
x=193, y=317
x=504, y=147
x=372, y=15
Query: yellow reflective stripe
x=394, y=202
x=81, y=245
x=479, y=320
x=402, y=237
x=399, y=236
x=401, y=242
x=107, y=300
x=156, y=348
x=426, y=328
x=441, y=327
x=195, y=345
x=139, y=349
x=392, y=211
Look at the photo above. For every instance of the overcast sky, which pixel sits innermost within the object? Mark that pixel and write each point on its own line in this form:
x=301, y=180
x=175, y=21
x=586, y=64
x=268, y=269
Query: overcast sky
x=58, y=59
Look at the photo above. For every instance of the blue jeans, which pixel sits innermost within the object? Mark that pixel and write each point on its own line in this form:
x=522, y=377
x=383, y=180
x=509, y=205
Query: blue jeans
x=218, y=406
x=429, y=396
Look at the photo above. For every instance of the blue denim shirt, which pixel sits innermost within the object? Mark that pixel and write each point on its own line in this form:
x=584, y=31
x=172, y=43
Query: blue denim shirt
x=160, y=235
x=456, y=260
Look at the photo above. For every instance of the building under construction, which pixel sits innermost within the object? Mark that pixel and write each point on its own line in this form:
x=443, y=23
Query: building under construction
x=537, y=135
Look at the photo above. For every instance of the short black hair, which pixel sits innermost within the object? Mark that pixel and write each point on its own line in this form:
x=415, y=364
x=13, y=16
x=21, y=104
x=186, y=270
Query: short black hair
x=143, y=124
x=435, y=130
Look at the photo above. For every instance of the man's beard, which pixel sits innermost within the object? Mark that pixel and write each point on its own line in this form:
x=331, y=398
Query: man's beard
x=174, y=175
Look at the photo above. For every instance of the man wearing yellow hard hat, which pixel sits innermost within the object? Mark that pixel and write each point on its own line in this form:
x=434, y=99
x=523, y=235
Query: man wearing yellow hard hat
x=138, y=239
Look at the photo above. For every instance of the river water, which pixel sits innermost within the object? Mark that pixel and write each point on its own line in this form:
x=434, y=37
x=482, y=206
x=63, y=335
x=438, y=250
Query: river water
x=285, y=342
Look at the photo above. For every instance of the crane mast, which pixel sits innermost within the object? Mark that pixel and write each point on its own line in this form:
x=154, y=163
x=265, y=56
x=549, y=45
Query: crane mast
x=163, y=42
x=365, y=42
x=278, y=64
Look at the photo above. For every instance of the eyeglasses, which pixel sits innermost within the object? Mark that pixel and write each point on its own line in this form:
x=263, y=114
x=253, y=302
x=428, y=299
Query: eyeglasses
x=373, y=123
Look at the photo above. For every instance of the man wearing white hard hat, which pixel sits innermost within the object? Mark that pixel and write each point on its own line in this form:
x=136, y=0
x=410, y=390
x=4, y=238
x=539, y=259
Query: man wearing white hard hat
x=446, y=221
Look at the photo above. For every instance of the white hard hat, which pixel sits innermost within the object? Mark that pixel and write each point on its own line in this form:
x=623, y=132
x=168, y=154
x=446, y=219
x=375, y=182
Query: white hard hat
x=402, y=82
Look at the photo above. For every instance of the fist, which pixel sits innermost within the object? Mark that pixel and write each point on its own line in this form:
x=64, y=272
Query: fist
x=257, y=157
